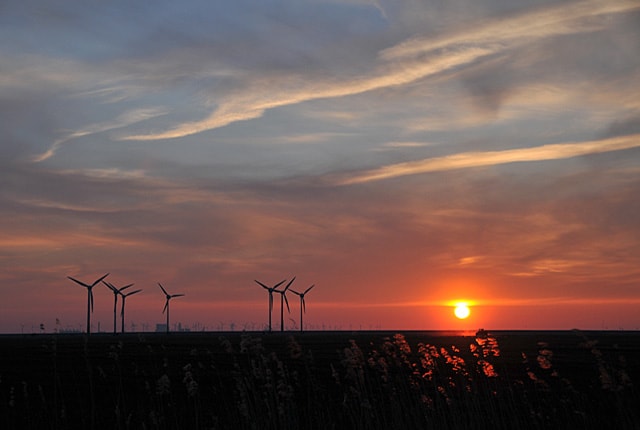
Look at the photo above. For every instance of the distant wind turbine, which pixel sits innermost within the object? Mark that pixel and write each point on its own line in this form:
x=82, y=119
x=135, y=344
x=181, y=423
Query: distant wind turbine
x=89, y=298
x=283, y=300
x=270, y=290
x=166, y=304
x=124, y=296
x=303, y=306
x=115, y=291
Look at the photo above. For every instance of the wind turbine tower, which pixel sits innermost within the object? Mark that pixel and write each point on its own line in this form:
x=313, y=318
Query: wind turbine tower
x=89, y=297
x=115, y=291
x=270, y=290
x=124, y=296
x=283, y=300
x=303, y=306
x=166, y=304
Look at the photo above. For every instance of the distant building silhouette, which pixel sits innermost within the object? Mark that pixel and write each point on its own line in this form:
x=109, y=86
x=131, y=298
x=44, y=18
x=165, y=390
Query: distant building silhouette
x=162, y=327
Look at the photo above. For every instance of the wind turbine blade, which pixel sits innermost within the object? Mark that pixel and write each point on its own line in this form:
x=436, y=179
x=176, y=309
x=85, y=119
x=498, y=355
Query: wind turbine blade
x=166, y=305
x=99, y=279
x=163, y=290
x=304, y=304
x=91, y=298
x=289, y=284
x=131, y=293
x=278, y=284
x=79, y=282
x=111, y=287
x=286, y=301
x=309, y=289
x=125, y=287
x=295, y=292
x=270, y=301
x=261, y=284
x=176, y=295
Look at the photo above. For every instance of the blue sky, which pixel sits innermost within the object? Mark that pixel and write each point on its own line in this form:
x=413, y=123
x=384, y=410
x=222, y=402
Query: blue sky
x=398, y=154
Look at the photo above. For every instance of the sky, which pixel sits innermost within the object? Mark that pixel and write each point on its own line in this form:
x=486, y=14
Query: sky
x=399, y=155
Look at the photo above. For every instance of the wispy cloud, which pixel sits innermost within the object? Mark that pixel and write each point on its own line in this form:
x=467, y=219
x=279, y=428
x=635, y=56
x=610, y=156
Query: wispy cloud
x=274, y=93
x=489, y=158
x=403, y=64
x=408, y=144
x=313, y=138
x=123, y=120
x=112, y=173
x=499, y=34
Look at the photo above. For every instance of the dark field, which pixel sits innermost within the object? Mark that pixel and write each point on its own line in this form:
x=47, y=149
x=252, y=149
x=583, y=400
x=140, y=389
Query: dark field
x=321, y=380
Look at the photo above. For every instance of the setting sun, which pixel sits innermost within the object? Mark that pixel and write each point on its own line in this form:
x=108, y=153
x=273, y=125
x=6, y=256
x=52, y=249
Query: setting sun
x=461, y=311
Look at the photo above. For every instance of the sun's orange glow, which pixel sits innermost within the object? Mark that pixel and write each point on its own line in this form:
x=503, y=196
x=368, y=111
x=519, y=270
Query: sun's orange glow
x=462, y=311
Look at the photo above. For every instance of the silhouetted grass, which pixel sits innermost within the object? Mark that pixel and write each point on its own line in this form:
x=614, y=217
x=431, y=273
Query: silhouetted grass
x=321, y=380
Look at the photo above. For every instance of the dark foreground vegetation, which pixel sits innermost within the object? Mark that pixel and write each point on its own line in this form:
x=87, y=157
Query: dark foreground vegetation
x=321, y=380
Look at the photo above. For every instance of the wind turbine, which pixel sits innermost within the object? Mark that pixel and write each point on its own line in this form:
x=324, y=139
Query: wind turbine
x=116, y=291
x=124, y=296
x=283, y=298
x=303, y=306
x=89, y=298
x=270, y=290
x=166, y=304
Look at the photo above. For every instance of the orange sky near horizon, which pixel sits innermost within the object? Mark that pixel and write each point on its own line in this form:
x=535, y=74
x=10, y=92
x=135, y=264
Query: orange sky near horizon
x=332, y=316
x=434, y=311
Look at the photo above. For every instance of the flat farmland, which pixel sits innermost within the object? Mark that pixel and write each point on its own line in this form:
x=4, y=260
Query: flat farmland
x=321, y=380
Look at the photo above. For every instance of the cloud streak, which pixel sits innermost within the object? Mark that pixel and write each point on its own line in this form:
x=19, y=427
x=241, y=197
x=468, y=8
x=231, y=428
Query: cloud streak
x=403, y=64
x=270, y=94
x=126, y=119
x=468, y=160
x=500, y=34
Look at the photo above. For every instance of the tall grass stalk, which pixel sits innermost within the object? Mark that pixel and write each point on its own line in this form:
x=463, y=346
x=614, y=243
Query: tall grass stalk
x=320, y=381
